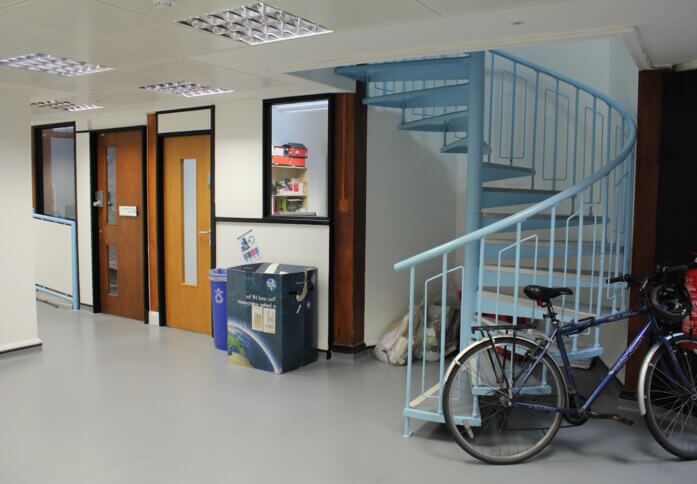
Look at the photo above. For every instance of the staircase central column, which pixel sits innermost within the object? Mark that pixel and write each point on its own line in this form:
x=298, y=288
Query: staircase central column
x=475, y=157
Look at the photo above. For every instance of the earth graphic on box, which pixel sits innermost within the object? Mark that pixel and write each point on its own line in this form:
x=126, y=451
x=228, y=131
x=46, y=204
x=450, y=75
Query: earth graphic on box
x=246, y=349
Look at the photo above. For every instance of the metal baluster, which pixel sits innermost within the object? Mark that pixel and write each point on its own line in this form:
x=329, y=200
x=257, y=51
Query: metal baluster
x=552, y=241
x=513, y=109
x=579, y=259
x=410, y=351
x=516, y=281
x=575, y=157
x=443, y=323
x=555, y=144
x=534, y=128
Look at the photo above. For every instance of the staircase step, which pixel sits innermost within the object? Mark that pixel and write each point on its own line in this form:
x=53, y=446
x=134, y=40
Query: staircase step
x=538, y=222
x=525, y=307
x=455, y=95
x=527, y=249
x=501, y=197
x=445, y=68
x=448, y=122
x=506, y=277
x=462, y=146
x=499, y=171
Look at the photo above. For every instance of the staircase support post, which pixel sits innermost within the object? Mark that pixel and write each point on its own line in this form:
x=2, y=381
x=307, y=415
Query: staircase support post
x=475, y=157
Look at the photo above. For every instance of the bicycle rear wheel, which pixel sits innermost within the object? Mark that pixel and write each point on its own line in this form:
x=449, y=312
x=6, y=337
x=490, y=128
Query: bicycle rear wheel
x=476, y=401
x=671, y=408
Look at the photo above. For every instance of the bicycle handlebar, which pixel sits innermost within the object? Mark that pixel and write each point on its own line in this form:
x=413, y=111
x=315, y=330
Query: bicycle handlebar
x=629, y=279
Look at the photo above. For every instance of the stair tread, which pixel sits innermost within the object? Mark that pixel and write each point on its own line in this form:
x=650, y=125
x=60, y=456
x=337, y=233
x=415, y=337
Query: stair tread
x=455, y=95
x=529, y=270
x=444, y=68
x=462, y=146
x=547, y=216
x=447, y=122
x=519, y=190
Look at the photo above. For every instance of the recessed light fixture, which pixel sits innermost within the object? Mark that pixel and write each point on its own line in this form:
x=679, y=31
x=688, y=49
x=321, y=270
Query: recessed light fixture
x=64, y=105
x=185, y=88
x=61, y=66
x=256, y=23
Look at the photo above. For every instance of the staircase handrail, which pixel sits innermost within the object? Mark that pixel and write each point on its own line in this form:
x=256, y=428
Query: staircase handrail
x=548, y=203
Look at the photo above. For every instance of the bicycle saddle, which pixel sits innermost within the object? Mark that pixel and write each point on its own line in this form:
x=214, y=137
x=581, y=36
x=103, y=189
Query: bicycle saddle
x=542, y=293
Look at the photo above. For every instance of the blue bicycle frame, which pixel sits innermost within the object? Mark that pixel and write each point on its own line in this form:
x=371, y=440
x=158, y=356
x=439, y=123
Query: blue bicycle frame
x=557, y=336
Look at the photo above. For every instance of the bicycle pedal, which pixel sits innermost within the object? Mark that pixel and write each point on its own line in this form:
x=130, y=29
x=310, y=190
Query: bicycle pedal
x=612, y=416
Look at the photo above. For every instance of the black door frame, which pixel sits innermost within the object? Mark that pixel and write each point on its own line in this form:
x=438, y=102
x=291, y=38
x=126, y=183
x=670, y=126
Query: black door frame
x=96, y=280
x=159, y=191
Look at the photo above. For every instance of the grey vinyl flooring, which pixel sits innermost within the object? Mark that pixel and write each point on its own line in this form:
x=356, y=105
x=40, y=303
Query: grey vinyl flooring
x=110, y=400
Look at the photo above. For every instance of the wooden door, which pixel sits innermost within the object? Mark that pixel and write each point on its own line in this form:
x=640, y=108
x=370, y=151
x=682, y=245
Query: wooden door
x=120, y=223
x=187, y=231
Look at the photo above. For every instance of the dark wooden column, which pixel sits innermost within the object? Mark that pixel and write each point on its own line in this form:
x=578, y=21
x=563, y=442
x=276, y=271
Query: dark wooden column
x=349, y=222
x=649, y=119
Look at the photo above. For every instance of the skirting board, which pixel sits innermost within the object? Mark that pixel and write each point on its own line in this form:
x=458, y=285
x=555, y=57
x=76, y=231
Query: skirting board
x=20, y=345
x=153, y=318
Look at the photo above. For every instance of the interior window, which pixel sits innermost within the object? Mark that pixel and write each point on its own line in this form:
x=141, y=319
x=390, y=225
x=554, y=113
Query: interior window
x=299, y=144
x=55, y=171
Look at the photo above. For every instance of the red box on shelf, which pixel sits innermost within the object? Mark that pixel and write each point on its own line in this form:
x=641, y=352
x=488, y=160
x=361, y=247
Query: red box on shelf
x=288, y=161
x=293, y=150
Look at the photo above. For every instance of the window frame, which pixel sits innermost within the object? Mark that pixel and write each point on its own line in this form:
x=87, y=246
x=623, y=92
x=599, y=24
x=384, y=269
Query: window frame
x=267, y=215
x=37, y=164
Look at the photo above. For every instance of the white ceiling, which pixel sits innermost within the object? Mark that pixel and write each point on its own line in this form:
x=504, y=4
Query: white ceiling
x=146, y=46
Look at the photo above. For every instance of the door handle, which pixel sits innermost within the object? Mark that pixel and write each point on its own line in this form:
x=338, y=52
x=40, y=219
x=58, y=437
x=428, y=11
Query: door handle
x=98, y=199
x=208, y=233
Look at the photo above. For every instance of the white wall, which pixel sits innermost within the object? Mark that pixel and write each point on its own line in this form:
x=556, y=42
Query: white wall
x=411, y=206
x=18, y=327
x=238, y=155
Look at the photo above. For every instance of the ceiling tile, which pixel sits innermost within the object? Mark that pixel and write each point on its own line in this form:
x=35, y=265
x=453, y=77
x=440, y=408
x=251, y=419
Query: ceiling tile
x=82, y=18
x=174, y=40
x=337, y=15
x=133, y=78
x=460, y=7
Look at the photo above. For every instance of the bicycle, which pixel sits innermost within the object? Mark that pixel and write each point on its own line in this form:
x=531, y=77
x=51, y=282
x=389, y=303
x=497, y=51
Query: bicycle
x=505, y=396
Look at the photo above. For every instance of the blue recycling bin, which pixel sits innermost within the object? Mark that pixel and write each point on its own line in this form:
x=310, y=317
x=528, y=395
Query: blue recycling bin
x=218, y=278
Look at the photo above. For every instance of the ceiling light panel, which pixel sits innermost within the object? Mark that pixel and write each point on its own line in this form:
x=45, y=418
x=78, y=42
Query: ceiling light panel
x=256, y=23
x=185, y=88
x=61, y=66
x=64, y=106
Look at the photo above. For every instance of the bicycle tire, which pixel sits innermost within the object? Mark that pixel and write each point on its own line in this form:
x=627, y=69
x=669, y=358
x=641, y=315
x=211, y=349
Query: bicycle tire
x=461, y=361
x=661, y=401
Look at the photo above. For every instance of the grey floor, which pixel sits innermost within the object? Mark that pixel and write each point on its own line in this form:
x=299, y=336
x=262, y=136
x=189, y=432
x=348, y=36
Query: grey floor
x=110, y=400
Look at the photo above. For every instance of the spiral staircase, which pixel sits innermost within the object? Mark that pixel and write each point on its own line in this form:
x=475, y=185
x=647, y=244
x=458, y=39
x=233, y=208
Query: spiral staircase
x=549, y=196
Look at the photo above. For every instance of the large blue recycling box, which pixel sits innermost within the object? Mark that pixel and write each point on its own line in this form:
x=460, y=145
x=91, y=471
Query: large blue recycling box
x=272, y=316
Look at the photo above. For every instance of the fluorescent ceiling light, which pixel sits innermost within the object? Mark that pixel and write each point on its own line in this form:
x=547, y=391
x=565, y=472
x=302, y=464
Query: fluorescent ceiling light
x=60, y=66
x=256, y=23
x=64, y=105
x=185, y=88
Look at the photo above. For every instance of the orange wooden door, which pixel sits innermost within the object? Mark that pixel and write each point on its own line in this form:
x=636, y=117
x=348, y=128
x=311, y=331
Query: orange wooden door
x=120, y=220
x=187, y=231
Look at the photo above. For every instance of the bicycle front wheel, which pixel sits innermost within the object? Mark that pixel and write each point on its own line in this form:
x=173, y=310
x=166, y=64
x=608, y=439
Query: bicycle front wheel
x=671, y=406
x=477, y=400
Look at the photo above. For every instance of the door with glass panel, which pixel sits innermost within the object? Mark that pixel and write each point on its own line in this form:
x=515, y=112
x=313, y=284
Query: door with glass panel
x=119, y=202
x=187, y=231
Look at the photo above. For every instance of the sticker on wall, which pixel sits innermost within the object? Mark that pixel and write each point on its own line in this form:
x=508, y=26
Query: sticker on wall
x=248, y=246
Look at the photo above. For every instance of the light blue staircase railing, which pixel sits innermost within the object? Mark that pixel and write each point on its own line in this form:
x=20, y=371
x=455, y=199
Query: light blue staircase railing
x=549, y=197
